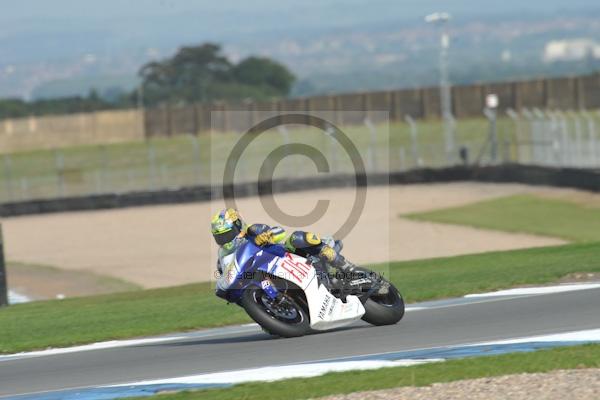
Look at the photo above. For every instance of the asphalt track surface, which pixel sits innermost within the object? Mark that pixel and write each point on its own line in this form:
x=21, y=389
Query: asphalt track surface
x=429, y=325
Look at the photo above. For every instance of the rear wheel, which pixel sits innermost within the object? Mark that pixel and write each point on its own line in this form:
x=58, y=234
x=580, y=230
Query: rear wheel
x=384, y=309
x=281, y=317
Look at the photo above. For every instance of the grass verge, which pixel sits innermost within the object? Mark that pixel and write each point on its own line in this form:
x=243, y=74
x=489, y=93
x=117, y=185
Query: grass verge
x=527, y=214
x=437, y=278
x=586, y=356
x=73, y=321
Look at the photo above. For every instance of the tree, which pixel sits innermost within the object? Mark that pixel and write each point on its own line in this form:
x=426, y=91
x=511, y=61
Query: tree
x=260, y=71
x=157, y=80
x=203, y=73
x=186, y=76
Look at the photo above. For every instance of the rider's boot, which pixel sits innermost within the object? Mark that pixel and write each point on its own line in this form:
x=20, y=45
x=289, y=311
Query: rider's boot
x=348, y=270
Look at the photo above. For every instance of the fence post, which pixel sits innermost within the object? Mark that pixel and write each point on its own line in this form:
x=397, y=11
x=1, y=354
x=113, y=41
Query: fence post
x=414, y=137
x=3, y=285
x=102, y=179
x=578, y=138
x=372, y=141
x=591, y=128
x=450, y=134
x=490, y=114
x=529, y=117
x=539, y=133
x=548, y=135
x=285, y=134
x=330, y=143
x=197, y=158
x=517, y=137
x=567, y=146
x=8, y=176
x=59, y=164
x=152, y=175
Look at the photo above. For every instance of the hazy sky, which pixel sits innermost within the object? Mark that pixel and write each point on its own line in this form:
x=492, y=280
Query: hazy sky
x=218, y=20
x=58, y=33
x=67, y=9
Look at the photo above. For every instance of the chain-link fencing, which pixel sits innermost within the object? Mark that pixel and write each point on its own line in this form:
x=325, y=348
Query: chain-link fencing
x=535, y=137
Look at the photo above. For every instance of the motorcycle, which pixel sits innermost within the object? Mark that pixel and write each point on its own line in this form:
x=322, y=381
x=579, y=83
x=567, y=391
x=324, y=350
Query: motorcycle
x=289, y=295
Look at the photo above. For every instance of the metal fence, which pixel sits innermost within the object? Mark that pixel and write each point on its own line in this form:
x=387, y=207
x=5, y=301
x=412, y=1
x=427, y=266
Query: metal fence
x=188, y=160
x=556, y=138
x=535, y=137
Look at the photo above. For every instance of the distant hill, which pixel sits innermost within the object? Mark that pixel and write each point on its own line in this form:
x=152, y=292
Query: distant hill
x=333, y=45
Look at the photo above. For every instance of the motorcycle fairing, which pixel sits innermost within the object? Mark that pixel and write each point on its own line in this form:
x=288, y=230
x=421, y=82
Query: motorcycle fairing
x=325, y=310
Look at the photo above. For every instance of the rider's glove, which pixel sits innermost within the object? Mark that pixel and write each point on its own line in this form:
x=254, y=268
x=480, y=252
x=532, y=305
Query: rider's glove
x=335, y=259
x=264, y=238
x=328, y=254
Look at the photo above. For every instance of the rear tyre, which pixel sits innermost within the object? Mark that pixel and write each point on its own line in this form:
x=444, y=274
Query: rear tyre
x=285, y=318
x=385, y=309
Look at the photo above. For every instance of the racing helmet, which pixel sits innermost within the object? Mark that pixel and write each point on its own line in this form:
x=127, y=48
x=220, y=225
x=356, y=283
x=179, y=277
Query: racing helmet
x=226, y=225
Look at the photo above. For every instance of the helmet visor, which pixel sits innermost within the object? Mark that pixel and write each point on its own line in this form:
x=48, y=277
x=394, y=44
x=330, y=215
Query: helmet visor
x=225, y=237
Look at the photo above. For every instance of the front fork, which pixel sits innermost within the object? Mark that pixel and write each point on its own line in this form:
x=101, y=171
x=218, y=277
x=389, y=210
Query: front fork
x=276, y=295
x=269, y=289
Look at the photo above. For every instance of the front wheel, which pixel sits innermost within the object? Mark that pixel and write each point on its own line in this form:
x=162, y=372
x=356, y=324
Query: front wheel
x=281, y=317
x=384, y=309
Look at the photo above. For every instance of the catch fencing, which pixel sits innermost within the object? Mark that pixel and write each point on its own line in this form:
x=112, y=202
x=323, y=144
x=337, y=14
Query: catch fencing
x=530, y=137
x=556, y=139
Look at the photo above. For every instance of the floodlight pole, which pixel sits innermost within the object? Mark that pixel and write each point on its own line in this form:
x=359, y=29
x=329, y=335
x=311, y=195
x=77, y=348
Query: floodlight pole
x=440, y=19
x=491, y=106
x=446, y=99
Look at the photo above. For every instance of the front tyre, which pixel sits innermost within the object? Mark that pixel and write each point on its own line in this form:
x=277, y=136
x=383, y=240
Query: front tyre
x=385, y=309
x=282, y=317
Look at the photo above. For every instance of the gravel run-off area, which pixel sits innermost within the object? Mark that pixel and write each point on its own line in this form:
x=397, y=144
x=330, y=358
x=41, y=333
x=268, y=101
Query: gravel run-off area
x=157, y=246
x=577, y=384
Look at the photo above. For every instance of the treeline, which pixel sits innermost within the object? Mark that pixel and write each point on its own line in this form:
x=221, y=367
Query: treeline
x=17, y=108
x=194, y=74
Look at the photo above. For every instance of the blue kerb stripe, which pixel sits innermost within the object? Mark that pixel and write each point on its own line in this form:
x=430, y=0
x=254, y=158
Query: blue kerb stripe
x=110, y=393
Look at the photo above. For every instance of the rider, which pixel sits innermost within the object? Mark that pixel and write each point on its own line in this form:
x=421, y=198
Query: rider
x=227, y=226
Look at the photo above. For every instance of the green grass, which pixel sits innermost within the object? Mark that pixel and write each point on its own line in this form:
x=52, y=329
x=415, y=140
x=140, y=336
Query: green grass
x=83, y=320
x=525, y=213
x=456, y=276
x=72, y=321
x=586, y=356
x=170, y=162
